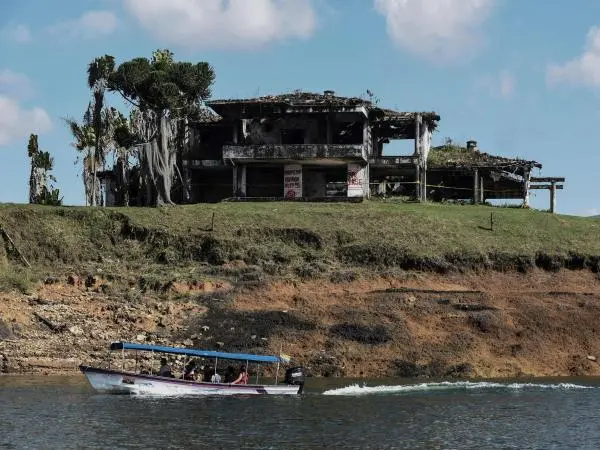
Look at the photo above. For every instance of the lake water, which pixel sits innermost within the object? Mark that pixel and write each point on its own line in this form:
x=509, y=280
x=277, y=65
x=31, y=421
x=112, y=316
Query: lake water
x=62, y=412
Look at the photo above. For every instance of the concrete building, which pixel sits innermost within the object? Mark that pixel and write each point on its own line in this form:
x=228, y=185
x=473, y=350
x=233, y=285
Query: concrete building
x=302, y=145
x=321, y=146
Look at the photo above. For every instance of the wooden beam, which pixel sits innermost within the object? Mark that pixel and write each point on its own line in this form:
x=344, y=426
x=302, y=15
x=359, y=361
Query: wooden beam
x=547, y=179
x=545, y=186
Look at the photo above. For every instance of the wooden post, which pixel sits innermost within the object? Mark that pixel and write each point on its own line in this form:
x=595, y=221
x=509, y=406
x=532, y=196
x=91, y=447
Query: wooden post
x=553, y=198
x=475, y=186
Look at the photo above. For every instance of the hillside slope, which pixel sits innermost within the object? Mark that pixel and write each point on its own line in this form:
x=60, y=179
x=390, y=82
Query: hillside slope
x=374, y=288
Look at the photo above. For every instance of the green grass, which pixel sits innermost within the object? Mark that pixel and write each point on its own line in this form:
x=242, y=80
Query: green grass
x=284, y=234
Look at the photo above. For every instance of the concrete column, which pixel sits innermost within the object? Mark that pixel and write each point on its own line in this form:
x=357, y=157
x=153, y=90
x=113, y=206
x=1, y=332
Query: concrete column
x=418, y=182
x=553, y=198
x=481, y=191
x=424, y=183
x=234, y=181
x=329, y=130
x=235, y=132
x=239, y=181
x=367, y=181
x=475, y=186
x=526, y=177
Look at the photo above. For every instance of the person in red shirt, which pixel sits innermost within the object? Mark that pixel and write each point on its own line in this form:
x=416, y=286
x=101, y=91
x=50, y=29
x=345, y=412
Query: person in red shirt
x=243, y=376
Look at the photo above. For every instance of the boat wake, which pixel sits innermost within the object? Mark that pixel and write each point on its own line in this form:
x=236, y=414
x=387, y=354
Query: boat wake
x=356, y=389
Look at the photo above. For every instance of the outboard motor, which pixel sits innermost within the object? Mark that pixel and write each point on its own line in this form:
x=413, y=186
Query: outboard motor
x=295, y=376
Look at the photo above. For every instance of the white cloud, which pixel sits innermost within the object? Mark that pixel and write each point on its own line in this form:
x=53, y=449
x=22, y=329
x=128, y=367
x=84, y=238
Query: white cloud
x=440, y=30
x=224, y=24
x=583, y=70
x=502, y=86
x=89, y=25
x=15, y=84
x=17, y=122
x=17, y=33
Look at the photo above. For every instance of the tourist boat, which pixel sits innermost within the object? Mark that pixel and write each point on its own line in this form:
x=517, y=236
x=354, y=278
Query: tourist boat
x=115, y=381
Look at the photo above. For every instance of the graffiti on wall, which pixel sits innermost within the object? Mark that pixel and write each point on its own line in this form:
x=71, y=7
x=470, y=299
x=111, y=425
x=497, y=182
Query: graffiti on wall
x=356, y=180
x=292, y=181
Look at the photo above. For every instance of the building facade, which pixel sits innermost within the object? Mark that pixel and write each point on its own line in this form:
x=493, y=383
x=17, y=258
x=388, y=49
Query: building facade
x=302, y=146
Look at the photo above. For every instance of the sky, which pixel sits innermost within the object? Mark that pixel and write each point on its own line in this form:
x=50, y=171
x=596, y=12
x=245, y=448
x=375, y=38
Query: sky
x=520, y=77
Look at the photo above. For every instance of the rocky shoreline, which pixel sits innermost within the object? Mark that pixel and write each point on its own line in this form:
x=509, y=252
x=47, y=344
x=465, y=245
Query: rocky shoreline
x=418, y=325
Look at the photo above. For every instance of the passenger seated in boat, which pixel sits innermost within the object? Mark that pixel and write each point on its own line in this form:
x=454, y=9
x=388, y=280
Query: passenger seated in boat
x=165, y=369
x=189, y=373
x=208, y=371
x=216, y=378
x=242, y=377
x=229, y=374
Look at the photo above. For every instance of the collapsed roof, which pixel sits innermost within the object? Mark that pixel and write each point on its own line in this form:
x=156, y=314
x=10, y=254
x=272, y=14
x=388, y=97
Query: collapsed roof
x=387, y=123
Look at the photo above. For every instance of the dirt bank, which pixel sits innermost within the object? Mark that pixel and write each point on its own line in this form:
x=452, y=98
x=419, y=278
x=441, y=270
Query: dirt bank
x=487, y=324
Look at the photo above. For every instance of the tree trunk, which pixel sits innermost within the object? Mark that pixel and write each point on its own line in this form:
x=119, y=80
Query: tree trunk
x=162, y=162
x=93, y=181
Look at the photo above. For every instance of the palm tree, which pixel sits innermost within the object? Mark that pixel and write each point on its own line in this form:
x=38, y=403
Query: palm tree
x=99, y=71
x=84, y=141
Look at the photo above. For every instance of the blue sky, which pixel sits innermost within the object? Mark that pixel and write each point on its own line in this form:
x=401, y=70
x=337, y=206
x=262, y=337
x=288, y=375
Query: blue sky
x=520, y=77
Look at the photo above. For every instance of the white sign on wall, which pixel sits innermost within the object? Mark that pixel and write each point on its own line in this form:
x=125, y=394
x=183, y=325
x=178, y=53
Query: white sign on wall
x=292, y=181
x=356, y=180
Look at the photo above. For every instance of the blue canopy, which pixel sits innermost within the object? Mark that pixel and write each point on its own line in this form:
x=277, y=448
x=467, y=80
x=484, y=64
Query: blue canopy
x=195, y=352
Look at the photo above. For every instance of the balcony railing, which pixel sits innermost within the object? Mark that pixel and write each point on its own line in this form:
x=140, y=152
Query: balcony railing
x=295, y=151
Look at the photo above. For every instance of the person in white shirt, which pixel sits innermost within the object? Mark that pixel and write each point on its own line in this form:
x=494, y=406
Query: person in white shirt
x=216, y=378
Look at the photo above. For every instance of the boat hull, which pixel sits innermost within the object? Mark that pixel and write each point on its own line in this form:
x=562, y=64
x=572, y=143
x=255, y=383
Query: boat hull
x=120, y=382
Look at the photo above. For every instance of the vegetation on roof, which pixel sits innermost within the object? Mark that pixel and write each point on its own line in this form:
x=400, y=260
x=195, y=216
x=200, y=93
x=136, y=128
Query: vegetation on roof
x=451, y=154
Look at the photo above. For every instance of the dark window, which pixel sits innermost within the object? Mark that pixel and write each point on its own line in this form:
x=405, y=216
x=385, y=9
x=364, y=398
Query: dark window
x=292, y=137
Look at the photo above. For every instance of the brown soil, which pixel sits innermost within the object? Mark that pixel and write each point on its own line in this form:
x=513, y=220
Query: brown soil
x=475, y=325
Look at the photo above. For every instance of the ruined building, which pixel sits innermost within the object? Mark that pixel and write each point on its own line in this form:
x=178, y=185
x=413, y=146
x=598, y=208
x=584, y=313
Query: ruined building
x=322, y=146
x=303, y=145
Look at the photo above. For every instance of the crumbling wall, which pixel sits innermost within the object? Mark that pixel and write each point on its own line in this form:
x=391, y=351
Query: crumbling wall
x=271, y=130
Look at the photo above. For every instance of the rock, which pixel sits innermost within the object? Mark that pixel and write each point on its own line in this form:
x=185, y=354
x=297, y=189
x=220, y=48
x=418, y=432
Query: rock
x=5, y=331
x=263, y=339
x=140, y=337
x=443, y=301
x=205, y=327
x=168, y=309
x=460, y=370
x=188, y=343
x=51, y=280
x=76, y=330
x=73, y=280
x=253, y=337
x=591, y=358
x=220, y=344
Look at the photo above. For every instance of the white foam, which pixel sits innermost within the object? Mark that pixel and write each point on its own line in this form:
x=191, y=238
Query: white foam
x=356, y=389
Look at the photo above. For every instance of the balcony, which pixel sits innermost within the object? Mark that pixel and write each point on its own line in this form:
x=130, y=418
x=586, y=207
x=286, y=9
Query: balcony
x=280, y=152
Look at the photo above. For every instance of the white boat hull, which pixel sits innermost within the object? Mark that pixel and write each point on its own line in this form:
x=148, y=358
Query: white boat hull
x=118, y=382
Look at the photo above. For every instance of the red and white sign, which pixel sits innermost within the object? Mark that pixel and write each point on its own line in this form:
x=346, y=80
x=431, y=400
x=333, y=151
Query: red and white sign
x=292, y=181
x=356, y=180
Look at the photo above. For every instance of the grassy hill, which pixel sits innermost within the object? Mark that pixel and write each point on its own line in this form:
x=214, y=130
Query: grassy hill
x=295, y=239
